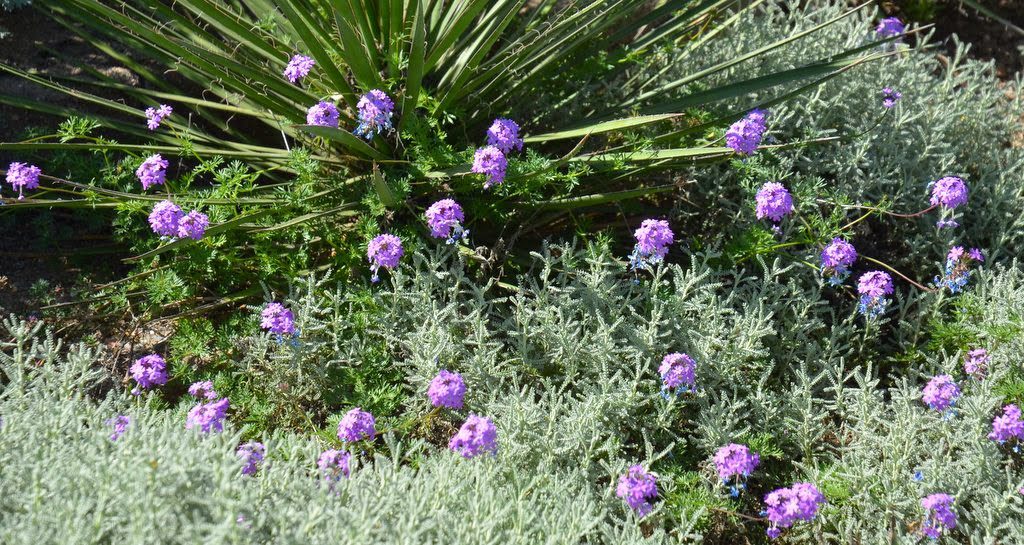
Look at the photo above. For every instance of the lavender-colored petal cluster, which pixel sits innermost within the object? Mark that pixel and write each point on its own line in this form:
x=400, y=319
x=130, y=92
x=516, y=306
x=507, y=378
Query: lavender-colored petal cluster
x=384, y=251
x=155, y=116
x=836, y=259
x=957, y=271
x=890, y=96
x=334, y=465
x=193, y=225
x=678, y=372
x=977, y=362
x=208, y=416
x=251, y=454
x=491, y=162
x=890, y=26
x=735, y=463
x=786, y=506
x=120, y=424
x=773, y=202
x=949, y=192
x=744, y=136
x=504, y=135
x=277, y=319
x=149, y=371
x=637, y=487
x=477, y=436
x=375, y=110
x=23, y=176
x=652, y=241
x=298, y=67
x=938, y=514
x=873, y=286
x=445, y=218
x=447, y=390
x=164, y=218
x=323, y=114
x=357, y=424
x=202, y=390
x=940, y=393
x=152, y=171
x=1008, y=425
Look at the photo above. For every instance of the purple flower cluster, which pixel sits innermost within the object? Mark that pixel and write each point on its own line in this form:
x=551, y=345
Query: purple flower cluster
x=789, y=505
x=357, y=424
x=940, y=393
x=298, y=67
x=193, y=225
x=491, y=162
x=384, y=251
x=773, y=202
x=334, y=465
x=445, y=218
x=504, y=135
x=938, y=515
x=949, y=192
x=957, y=271
x=208, y=416
x=277, y=319
x=652, y=241
x=735, y=463
x=447, y=390
x=637, y=488
x=873, y=286
x=120, y=424
x=889, y=27
x=251, y=454
x=890, y=96
x=155, y=116
x=149, y=371
x=677, y=372
x=323, y=114
x=836, y=260
x=202, y=390
x=744, y=136
x=477, y=436
x=152, y=171
x=977, y=362
x=1007, y=425
x=375, y=110
x=23, y=176
x=168, y=220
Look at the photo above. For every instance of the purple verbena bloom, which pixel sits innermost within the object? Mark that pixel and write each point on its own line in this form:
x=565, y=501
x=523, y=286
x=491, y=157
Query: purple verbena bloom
x=938, y=515
x=120, y=424
x=445, y=218
x=504, y=135
x=477, y=436
x=940, y=393
x=323, y=114
x=23, y=176
x=773, y=202
x=677, y=372
x=298, y=67
x=164, y=218
x=193, y=225
x=836, y=259
x=652, y=241
x=149, y=371
x=637, y=487
x=155, y=116
x=890, y=96
x=202, y=390
x=152, y=171
x=252, y=454
x=744, y=136
x=957, y=270
x=949, y=192
x=789, y=505
x=890, y=26
x=447, y=390
x=1008, y=425
x=375, y=110
x=334, y=465
x=208, y=416
x=735, y=463
x=873, y=286
x=977, y=362
x=384, y=251
x=275, y=318
x=491, y=162
x=357, y=424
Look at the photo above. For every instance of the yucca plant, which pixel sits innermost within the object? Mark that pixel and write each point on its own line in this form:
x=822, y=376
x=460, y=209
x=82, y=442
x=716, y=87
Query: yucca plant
x=602, y=136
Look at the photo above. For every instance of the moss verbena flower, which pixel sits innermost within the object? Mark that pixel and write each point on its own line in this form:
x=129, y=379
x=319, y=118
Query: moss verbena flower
x=940, y=393
x=155, y=116
x=938, y=515
x=873, y=286
x=890, y=96
x=120, y=424
x=799, y=502
x=652, y=241
x=357, y=424
x=1008, y=425
x=152, y=171
x=889, y=27
x=744, y=136
x=164, y=218
x=447, y=390
x=383, y=251
x=478, y=435
x=773, y=202
x=277, y=319
x=734, y=464
x=445, y=218
x=638, y=487
x=957, y=270
x=323, y=114
x=334, y=465
x=836, y=259
x=208, y=416
x=504, y=135
x=148, y=371
x=193, y=225
x=977, y=362
x=23, y=176
x=375, y=110
x=251, y=454
x=678, y=373
x=491, y=162
x=202, y=389
x=298, y=67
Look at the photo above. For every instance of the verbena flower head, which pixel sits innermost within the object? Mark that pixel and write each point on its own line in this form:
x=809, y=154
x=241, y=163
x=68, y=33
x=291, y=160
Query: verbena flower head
x=149, y=371
x=890, y=26
x=252, y=454
x=744, y=136
x=678, y=372
x=384, y=251
x=323, y=114
x=477, y=436
x=375, y=110
x=23, y=176
x=164, y=218
x=357, y=424
x=447, y=390
x=774, y=202
x=193, y=225
x=957, y=270
x=504, y=135
x=1008, y=425
x=735, y=462
x=202, y=390
x=836, y=259
x=786, y=506
x=152, y=171
x=938, y=515
x=208, y=416
x=334, y=465
x=120, y=424
x=491, y=162
x=637, y=487
x=873, y=286
x=155, y=116
x=445, y=218
x=275, y=318
x=949, y=192
x=298, y=67
x=652, y=241
x=940, y=393
x=890, y=96
x=977, y=362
